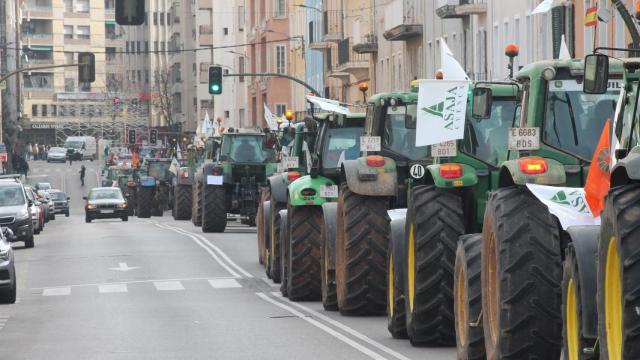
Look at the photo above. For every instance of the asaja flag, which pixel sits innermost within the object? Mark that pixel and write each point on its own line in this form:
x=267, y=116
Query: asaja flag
x=591, y=17
x=442, y=108
x=599, y=179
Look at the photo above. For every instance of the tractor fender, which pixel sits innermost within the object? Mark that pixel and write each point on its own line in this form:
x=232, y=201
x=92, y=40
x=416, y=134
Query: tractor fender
x=371, y=181
x=510, y=174
x=278, y=188
x=626, y=169
x=147, y=181
x=468, y=178
x=307, y=182
x=329, y=215
x=183, y=177
x=584, y=240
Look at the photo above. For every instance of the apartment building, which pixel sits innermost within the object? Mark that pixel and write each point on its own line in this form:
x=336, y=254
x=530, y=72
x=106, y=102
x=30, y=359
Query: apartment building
x=314, y=55
x=55, y=104
x=9, y=54
x=268, y=36
x=297, y=56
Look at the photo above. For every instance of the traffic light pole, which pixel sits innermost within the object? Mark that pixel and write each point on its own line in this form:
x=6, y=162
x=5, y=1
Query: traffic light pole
x=281, y=76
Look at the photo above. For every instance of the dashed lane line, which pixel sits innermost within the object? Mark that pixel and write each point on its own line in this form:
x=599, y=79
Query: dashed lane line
x=113, y=288
x=224, y=283
x=61, y=291
x=168, y=285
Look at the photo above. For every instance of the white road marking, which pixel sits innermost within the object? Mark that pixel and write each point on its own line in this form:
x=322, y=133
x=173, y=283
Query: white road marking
x=61, y=291
x=133, y=282
x=197, y=241
x=214, y=248
x=3, y=320
x=224, y=283
x=112, y=288
x=124, y=267
x=343, y=327
x=168, y=285
x=363, y=349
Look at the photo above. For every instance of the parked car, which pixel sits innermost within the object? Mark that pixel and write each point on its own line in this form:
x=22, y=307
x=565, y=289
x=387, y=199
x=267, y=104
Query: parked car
x=57, y=154
x=37, y=210
x=105, y=203
x=8, y=282
x=60, y=202
x=45, y=198
x=16, y=209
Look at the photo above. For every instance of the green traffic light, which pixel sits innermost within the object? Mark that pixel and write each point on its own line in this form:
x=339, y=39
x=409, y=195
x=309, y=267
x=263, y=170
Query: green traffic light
x=215, y=87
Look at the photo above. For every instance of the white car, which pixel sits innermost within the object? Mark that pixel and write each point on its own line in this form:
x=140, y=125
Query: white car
x=57, y=154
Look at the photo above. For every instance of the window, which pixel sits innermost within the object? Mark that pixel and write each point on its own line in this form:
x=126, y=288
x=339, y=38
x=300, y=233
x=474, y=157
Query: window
x=241, y=67
x=225, y=31
x=241, y=117
x=226, y=114
x=146, y=76
x=34, y=110
x=155, y=46
x=69, y=85
x=110, y=31
x=281, y=109
x=85, y=86
x=146, y=47
x=162, y=18
x=204, y=104
x=281, y=62
x=82, y=6
x=138, y=46
x=139, y=75
x=68, y=58
x=68, y=32
x=83, y=32
x=155, y=18
x=163, y=47
x=240, y=18
x=68, y=6
x=495, y=70
x=168, y=19
x=44, y=110
x=54, y=110
x=280, y=8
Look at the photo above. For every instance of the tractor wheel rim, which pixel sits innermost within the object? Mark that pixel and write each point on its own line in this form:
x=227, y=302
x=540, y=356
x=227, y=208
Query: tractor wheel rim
x=493, y=295
x=411, y=268
x=391, y=295
x=571, y=323
x=461, y=304
x=613, y=302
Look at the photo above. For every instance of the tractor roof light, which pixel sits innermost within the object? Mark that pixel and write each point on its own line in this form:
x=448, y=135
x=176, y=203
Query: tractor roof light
x=439, y=74
x=375, y=161
x=511, y=50
x=293, y=175
x=451, y=171
x=216, y=171
x=533, y=165
x=288, y=115
x=638, y=10
x=363, y=86
x=549, y=73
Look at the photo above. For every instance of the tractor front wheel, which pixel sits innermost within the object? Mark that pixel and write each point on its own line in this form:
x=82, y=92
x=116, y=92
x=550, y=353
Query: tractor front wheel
x=214, y=211
x=303, y=280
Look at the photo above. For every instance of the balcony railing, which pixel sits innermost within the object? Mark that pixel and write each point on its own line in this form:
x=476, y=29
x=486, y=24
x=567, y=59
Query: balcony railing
x=206, y=29
x=368, y=44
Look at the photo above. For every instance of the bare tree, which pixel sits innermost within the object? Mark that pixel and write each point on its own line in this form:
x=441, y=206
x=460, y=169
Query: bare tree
x=162, y=97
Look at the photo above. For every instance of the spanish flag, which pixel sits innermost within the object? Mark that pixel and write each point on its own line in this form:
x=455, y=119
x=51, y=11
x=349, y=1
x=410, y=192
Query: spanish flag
x=599, y=178
x=591, y=18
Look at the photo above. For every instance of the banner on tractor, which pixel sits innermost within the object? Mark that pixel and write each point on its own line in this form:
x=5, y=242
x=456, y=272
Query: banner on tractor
x=329, y=105
x=442, y=108
x=568, y=204
x=270, y=118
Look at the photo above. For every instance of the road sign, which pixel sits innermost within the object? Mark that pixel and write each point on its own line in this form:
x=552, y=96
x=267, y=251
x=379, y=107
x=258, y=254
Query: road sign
x=130, y=12
x=3, y=85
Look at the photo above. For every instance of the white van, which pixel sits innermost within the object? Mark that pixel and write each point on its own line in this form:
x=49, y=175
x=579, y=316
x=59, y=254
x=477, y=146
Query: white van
x=79, y=142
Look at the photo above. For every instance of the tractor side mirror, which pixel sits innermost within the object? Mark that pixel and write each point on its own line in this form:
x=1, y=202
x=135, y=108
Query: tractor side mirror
x=482, y=102
x=596, y=74
x=84, y=198
x=409, y=122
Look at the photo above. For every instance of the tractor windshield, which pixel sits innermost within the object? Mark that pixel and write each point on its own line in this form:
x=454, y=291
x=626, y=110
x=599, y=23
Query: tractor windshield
x=486, y=139
x=341, y=144
x=574, y=120
x=159, y=169
x=400, y=139
x=247, y=149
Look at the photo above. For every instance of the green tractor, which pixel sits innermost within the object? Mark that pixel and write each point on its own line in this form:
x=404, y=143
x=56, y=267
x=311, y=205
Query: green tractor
x=523, y=245
x=274, y=197
x=231, y=183
x=153, y=193
x=307, y=226
x=445, y=200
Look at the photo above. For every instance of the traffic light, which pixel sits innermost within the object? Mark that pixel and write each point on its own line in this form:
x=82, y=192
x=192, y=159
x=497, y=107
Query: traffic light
x=153, y=136
x=130, y=12
x=215, y=80
x=132, y=136
x=86, y=67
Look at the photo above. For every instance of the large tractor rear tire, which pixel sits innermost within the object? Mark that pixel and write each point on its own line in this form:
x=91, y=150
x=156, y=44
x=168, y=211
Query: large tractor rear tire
x=467, y=294
x=196, y=200
x=361, y=253
x=265, y=194
x=274, y=265
x=619, y=275
x=144, y=202
x=284, y=242
x=214, y=210
x=182, y=202
x=521, y=277
x=435, y=221
x=396, y=264
x=303, y=278
x=327, y=257
x=574, y=341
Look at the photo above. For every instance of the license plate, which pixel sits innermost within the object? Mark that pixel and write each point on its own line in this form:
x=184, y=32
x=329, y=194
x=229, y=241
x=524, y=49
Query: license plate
x=290, y=162
x=106, y=211
x=370, y=143
x=445, y=149
x=214, y=180
x=524, y=138
x=329, y=191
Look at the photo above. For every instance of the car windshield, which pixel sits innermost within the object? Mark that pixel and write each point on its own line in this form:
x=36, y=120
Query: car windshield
x=105, y=194
x=398, y=138
x=246, y=148
x=11, y=195
x=70, y=144
x=574, y=120
x=486, y=139
x=58, y=196
x=57, y=150
x=341, y=144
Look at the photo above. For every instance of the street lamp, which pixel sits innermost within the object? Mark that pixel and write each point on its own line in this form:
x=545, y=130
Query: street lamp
x=309, y=7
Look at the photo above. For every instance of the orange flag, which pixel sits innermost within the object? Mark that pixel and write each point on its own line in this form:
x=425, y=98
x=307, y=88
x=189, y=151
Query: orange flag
x=599, y=178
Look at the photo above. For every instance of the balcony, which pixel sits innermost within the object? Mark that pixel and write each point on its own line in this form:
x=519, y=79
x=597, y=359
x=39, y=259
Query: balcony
x=38, y=10
x=403, y=32
x=42, y=38
x=332, y=21
x=456, y=9
x=368, y=44
x=206, y=35
x=350, y=63
x=401, y=23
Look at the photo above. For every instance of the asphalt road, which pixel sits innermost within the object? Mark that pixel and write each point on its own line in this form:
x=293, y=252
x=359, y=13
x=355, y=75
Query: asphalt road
x=161, y=289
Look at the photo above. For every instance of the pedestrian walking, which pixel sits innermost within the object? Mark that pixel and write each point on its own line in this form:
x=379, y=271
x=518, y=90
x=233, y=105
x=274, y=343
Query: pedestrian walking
x=70, y=155
x=25, y=168
x=82, y=173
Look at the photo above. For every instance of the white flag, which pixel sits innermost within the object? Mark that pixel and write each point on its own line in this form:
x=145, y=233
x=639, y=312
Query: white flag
x=207, y=128
x=451, y=68
x=543, y=7
x=329, y=105
x=564, y=50
x=272, y=120
x=442, y=108
x=568, y=204
x=178, y=152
